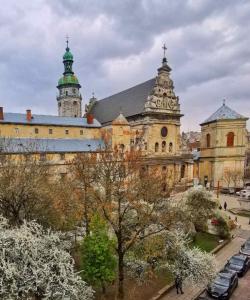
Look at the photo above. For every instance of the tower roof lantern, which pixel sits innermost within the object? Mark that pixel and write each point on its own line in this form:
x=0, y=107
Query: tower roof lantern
x=165, y=66
x=67, y=55
x=224, y=113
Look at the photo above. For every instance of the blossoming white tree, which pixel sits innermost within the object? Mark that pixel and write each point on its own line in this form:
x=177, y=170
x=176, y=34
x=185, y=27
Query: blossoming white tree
x=191, y=264
x=35, y=264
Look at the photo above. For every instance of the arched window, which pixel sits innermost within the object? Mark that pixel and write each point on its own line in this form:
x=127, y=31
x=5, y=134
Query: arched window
x=170, y=147
x=163, y=146
x=208, y=138
x=122, y=147
x=230, y=139
x=156, y=147
x=145, y=146
x=183, y=171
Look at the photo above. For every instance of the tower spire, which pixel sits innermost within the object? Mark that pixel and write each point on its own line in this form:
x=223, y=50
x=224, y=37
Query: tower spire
x=69, y=98
x=67, y=43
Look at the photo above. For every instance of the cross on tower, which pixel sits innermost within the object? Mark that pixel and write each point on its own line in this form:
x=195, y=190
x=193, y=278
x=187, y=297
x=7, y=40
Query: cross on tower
x=164, y=50
x=67, y=41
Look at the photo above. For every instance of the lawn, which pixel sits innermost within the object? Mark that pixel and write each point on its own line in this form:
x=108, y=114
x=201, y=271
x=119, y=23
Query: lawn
x=205, y=241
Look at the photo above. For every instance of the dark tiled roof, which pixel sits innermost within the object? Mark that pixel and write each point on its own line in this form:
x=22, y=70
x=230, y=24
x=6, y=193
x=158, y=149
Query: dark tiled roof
x=18, y=118
x=130, y=102
x=22, y=145
x=223, y=113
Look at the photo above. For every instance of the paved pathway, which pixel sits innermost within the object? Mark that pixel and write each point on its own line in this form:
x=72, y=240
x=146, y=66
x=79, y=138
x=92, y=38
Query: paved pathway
x=221, y=257
x=243, y=290
x=232, y=202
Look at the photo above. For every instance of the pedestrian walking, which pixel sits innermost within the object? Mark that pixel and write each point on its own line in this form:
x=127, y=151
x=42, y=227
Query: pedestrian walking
x=249, y=221
x=220, y=207
x=225, y=205
x=236, y=219
x=178, y=284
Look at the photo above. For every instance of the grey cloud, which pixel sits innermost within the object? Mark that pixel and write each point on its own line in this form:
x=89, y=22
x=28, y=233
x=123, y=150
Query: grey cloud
x=208, y=45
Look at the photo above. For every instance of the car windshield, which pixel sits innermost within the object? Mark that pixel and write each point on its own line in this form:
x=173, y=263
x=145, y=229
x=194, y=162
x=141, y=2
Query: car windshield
x=247, y=246
x=221, y=280
x=236, y=261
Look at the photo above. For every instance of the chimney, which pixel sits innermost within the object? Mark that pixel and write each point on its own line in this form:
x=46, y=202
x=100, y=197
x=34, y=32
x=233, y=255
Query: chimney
x=1, y=113
x=28, y=115
x=90, y=119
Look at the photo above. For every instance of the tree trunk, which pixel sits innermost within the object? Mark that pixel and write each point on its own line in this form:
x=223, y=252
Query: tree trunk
x=86, y=215
x=121, y=276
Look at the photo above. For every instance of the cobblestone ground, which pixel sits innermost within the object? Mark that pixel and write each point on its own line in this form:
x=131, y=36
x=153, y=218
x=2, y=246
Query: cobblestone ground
x=221, y=257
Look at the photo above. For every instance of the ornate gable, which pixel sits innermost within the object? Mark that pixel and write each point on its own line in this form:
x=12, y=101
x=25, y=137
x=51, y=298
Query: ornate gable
x=162, y=98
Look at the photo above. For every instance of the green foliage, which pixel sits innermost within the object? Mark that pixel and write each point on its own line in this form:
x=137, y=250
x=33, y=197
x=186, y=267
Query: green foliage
x=222, y=227
x=200, y=207
x=98, y=262
x=205, y=241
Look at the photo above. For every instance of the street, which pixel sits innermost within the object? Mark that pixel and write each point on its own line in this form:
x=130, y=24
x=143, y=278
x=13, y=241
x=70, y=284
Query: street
x=243, y=290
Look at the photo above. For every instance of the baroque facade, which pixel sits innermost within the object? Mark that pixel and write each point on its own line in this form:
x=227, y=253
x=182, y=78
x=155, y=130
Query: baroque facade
x=147, y=117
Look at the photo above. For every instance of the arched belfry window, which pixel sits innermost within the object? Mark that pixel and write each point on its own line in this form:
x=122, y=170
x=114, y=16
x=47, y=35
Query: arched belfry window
x=163, y=146
x=170, y=147
x=230, y=139
x=156, y=147
x=208, y=137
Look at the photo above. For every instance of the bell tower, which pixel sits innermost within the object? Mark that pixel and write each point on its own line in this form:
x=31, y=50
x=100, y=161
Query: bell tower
x=69, y=99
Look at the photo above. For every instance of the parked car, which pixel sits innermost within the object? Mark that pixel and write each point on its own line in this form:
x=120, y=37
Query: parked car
x=229, y=190
x=239, y=263
x=245, y=248
x=224, y=190
x=243, y=193
x=223, y=285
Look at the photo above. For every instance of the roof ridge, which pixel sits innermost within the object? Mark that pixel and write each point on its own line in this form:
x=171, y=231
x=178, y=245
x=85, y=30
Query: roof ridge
x=130, y=88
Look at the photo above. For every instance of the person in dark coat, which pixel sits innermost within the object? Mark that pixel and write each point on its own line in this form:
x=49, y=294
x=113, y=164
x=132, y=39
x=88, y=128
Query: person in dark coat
x=225, y=205
x=178, y=284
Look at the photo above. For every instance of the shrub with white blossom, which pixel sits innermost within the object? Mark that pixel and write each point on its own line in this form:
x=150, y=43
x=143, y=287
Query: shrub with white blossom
x=35, y=264
x=191, y=264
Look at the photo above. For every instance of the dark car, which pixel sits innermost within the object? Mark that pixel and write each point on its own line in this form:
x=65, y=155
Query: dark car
x=239, y=263
x=224, y=190
x=245, y=248
x=223, y=285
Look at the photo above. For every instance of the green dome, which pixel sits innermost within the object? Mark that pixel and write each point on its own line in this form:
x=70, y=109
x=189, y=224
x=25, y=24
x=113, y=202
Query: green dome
x=68, y=55
x=68, y=79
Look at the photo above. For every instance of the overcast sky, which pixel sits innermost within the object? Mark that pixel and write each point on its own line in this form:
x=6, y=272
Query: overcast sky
x=118, y=43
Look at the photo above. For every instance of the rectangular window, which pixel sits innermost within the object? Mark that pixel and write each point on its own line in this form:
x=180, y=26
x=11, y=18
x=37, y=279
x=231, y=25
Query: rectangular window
x=62, y=156
x=66, y=131
x=50, y=131
x=36, y=130
x=81, y=132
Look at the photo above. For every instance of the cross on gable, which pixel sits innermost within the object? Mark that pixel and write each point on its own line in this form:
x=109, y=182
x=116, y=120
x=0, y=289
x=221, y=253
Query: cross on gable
x=164, y=50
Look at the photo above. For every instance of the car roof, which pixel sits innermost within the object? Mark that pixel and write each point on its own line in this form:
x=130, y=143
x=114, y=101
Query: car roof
x=226, y=274
x=239, y=256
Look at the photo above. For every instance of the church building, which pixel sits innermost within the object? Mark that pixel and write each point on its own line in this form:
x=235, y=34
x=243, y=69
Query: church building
x=148, y=117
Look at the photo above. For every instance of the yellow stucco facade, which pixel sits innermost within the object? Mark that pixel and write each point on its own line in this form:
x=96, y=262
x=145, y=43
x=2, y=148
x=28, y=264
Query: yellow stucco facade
x=223, y=149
